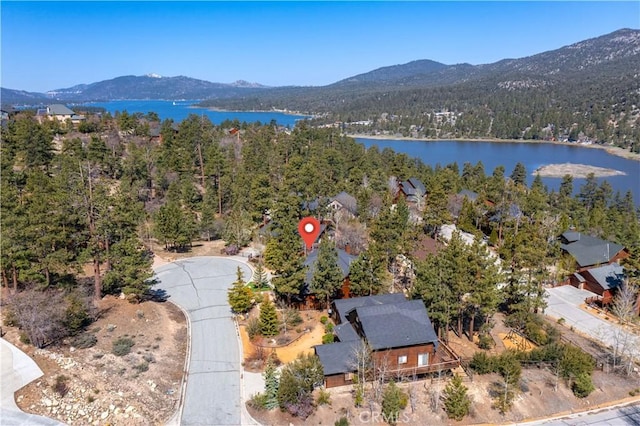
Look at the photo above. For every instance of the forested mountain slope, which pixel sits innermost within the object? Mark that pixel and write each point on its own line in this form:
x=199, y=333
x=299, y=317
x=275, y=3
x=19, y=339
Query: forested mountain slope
x=588, y=90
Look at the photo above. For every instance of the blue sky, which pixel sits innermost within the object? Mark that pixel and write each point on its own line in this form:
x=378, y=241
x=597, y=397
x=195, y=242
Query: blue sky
x=52, y=45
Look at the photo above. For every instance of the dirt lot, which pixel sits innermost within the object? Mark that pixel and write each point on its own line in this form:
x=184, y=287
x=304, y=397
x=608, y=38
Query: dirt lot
x=140, y=388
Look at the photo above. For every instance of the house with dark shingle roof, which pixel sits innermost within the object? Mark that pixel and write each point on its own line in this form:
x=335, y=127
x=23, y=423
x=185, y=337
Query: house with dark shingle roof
x=597, y=264
x=306, y=298
x=398, y=332
x=590, y=251
x=412, y=189
x=602, y=280
x=343, y=203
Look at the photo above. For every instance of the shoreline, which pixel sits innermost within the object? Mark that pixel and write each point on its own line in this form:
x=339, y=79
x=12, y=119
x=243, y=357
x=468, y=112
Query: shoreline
x=285, y=112
x=575, y=170
x=613, y=150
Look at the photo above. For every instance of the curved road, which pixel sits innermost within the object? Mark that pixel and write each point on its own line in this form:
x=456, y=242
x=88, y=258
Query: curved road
x=199, y=286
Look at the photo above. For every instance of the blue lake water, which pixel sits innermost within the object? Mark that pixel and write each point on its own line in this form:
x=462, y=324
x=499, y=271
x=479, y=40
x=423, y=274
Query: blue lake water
x=179, y=110
x=532, y=155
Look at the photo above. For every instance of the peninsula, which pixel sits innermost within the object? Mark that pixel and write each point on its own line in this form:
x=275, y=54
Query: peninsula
x=575, y=170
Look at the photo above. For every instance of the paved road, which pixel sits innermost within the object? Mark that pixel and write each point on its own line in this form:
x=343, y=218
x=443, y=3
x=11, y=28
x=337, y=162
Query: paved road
x=199, y=285
x=628, y=415
x=17, y=369
x=564, y=301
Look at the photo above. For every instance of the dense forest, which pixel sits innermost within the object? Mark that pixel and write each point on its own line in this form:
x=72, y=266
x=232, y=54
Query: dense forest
x=82, y=208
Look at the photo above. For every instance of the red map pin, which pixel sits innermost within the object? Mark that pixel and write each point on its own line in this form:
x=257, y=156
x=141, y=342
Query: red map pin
x=309, y=229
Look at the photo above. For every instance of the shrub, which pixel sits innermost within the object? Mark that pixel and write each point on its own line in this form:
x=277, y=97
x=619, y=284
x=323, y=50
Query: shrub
x=482, y=363
x=328, y=338
x=292, y=317
x=258, y=401
x=122, y=346
x=142, y=367
x=60, y=386
x=342, y=421
x=324, y=398
x=582, y=386
x=84, y=340
x=90, y=399
x=328, y=327
x=253, y=328
x=302, y=408
x=231, y=250
x=485, y=341
x=324, y=319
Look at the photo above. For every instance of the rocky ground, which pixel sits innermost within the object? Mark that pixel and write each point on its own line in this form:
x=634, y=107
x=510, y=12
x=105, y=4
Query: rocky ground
x=95, y=387
x=575, y=170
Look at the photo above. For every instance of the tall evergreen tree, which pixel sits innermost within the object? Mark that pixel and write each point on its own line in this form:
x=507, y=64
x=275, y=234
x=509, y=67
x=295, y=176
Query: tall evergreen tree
x=327, y=276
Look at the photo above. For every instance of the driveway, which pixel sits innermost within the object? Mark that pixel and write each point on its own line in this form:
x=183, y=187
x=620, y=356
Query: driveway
x=564, y=302
x=213, y=387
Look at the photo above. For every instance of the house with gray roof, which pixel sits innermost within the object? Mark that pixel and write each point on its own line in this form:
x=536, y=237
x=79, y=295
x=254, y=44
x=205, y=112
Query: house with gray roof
x=60, y=113
x=343, y=203
x=412, y=189
x=589, y=251
x=306, y=299
x=397, y=332
x=602, y=280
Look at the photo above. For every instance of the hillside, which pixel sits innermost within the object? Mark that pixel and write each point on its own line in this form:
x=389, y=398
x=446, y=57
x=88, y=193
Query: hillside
x=151, y=86
x=586, y=90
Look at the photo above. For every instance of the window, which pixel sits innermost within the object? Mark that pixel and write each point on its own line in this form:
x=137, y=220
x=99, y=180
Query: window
x=402, y=359
x=423, y=359
x=348, y=377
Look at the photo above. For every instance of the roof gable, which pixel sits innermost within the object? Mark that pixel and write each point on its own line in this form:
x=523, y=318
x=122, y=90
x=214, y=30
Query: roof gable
x=344, y=306
x=59, y=109
x=608, y=276
x=339, y=357
x=588, y=250
x=394, y=325
x=346, y=201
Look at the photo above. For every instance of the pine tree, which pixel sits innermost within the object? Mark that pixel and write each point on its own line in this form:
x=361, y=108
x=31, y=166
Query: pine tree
x=519, y=174
x=268, y=318
x=240, y=297
x=365, y=275
x=271, y=385
x=327, y=275
x=456, y=401
x=260, y=278
x=393, y=400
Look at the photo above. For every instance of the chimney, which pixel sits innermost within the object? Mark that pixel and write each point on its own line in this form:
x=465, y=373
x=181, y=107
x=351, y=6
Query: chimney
x=347, y=248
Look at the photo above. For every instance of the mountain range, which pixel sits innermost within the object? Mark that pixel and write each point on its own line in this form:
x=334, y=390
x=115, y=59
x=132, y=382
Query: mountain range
x=150, y=86
x=588, y=88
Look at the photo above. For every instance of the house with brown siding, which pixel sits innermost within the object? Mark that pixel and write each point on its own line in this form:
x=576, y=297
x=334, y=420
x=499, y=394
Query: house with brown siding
x=397, y=331
x=589, y=251
x=602, y=280
x=307, y=299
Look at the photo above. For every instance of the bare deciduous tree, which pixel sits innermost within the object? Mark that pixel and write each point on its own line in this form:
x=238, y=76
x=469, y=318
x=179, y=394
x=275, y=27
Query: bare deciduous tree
x=40, y=315
x=626, y=344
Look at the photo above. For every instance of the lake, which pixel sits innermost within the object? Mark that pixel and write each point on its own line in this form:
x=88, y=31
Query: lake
x=179, y=110
x=507, y=154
